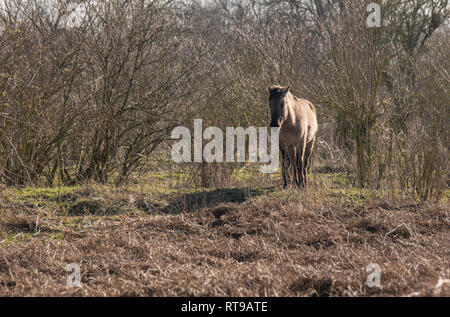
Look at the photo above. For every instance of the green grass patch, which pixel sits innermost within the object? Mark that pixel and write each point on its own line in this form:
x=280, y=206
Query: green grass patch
x=42, y=193
x=332, y=180
x=16, y=238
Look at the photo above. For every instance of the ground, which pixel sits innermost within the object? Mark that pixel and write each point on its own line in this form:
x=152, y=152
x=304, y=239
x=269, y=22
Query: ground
x=149, y=239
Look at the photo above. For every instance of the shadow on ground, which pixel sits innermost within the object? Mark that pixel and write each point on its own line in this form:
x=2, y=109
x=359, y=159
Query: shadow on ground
x=193, y=201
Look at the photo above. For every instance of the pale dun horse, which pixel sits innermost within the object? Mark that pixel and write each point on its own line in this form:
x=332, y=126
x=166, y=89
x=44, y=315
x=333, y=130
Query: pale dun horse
x=297, y=121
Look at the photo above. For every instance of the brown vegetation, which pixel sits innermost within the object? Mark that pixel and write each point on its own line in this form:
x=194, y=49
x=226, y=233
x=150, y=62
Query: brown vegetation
x=89, y=91
x=269, y=244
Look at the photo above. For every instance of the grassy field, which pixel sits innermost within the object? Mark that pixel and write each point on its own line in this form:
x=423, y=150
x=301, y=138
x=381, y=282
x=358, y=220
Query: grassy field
x=157, y=238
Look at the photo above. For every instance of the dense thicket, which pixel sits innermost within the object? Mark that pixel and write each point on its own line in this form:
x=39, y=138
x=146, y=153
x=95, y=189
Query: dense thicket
x=90, y=89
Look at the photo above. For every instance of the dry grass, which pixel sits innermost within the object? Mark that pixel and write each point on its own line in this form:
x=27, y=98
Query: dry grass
x=275, y=243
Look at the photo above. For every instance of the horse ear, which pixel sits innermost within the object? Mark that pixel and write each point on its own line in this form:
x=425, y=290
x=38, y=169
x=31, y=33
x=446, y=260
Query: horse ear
x=285, y=91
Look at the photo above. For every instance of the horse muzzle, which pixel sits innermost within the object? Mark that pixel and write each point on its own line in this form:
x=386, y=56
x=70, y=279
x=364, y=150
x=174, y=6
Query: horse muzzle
x=275, y=124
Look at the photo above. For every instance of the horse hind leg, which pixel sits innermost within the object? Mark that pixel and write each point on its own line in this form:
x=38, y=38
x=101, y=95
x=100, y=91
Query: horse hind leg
x=296, y=173
x=289, y=167
x=293, y=166
x=298, y=169
x=284, y=166
x=301, y=163
x=307, y=161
